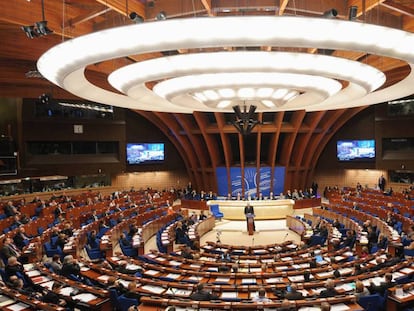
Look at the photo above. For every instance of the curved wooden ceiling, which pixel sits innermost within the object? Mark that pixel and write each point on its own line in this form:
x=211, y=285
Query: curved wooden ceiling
x=204, y=140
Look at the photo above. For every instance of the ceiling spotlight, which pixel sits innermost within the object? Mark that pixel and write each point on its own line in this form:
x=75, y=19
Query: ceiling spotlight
x=161, y=16
x=30, y=31
x=353, y=11
x=332, y=13
x=136, y=18
x=42, y=28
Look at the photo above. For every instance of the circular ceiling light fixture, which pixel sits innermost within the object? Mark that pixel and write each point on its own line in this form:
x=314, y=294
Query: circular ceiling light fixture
x=65, y=64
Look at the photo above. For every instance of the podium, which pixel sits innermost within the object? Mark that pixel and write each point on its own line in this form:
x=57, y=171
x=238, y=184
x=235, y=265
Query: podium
x=250, y=223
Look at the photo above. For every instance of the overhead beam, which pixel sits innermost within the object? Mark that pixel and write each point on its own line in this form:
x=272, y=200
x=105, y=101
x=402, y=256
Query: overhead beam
x=282, y=6
x=84, y=18
x=398, y=8
x=207, y=5
x=364, y=5
x=125, y=7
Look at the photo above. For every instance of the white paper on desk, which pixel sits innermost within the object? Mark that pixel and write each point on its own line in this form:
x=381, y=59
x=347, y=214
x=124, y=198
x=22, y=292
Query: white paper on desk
x=18, y=306
x=304, y=292
x=324, y=274
x=286, y=258
x=309, y=309
x=255, y=270
x=124, y=283
x=48, y=285
x=296, y=278
x=195, y=278
x=339, y=307
x=260, y=251
x=40, y=279
x=66, y=291
x=32, y=273
x=28, y=266
x=222, y=280
x=273, y=280
x=115, y=258
x=173, y=276
x=85, y=297
x=402, y=294
x=195, y=266
x=178, y=292
x=406, y=270
x=346, y=287
x=160, y=259
x=249, y=281
x=103, y=278
x=132, y=266
x=282, y=267
x=85, y=269
x=317, y=291
x=151, y=255
x=339, y=258
x=174, y=263
x=377, y=280
x=396, y=275
x=151, y=272
x=5, y=301
x=344, y=271
x=228, y=295
x=153, y=289
x=268, y=260
x=212, y=269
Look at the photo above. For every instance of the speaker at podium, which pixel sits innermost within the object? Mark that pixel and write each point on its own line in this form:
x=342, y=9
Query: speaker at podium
x=249, y=213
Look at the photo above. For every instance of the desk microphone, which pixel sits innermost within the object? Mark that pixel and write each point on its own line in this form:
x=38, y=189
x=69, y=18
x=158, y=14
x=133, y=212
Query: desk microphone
x=285, y=236
x=252, y=241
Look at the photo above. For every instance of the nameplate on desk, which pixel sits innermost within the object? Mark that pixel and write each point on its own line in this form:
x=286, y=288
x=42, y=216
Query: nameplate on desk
x=222, y=280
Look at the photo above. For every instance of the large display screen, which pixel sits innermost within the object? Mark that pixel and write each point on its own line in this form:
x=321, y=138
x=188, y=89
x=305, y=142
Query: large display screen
x=142, y=153
x=355, y=150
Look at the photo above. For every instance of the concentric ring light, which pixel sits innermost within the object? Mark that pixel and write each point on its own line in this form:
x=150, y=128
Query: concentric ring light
x=65, y=63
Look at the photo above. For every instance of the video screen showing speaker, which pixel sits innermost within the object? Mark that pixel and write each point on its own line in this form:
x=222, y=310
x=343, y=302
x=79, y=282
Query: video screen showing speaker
x=356, y=150
x=145, y=153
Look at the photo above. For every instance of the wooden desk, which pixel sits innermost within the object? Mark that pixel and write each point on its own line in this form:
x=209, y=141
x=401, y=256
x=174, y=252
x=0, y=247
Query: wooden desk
x=395, y=302
x=263, y=209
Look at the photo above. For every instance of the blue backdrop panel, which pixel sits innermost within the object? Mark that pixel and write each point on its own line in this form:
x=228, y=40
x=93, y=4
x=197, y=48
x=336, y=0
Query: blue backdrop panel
x=251, y=180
